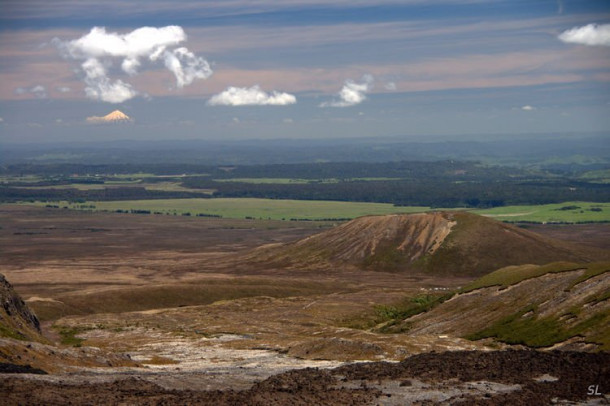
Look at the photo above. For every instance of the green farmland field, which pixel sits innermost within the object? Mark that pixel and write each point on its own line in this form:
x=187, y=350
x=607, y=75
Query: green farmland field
x=159, y=186
x=568, y=212
x=254, y=208
x=285, y=181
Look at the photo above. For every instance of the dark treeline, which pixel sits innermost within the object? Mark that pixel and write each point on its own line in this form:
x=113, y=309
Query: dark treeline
x=436, y=184
x=339, y=170
x=350, y=170
x=12, y=194
x=426, y=192
x=70, y=169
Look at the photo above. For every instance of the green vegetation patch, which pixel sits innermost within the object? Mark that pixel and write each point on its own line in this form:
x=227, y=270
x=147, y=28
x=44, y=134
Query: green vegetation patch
x=525, y=328
x=69, y=336
x=392, y=317
x=8, y=332
x=251, y=208
x=389, y=319
x=566, y=212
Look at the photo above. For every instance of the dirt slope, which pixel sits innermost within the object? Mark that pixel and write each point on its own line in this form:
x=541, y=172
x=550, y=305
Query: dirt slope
x=442, y=243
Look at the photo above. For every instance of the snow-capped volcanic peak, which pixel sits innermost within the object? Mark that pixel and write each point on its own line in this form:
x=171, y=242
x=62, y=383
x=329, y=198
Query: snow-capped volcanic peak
x=116, y=116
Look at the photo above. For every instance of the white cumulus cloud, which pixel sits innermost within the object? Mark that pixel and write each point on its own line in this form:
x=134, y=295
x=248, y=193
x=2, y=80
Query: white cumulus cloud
x=251, y=96
x=591, y=34
x=391, y=86
x=99, y=50
x=186, y=66
x=528, y=108
x=352, y=93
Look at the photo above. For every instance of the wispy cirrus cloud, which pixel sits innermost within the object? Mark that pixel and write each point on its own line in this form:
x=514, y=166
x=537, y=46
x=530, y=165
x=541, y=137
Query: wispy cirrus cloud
x=20, y=9
x=38, y=91
x=99, y=50
x=352, y=93
x=590, y=34
x=252, y=96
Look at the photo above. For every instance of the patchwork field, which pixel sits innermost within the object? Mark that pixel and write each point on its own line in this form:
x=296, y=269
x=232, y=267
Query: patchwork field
x=567, y=212
x=240, y=208
x=276, y=209
x=298, y=180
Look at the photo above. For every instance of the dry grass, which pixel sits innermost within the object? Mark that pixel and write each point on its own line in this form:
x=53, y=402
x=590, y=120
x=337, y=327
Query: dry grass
x=199, y=292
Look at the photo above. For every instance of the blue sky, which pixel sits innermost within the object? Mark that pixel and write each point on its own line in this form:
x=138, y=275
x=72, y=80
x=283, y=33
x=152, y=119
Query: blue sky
x=236, y=69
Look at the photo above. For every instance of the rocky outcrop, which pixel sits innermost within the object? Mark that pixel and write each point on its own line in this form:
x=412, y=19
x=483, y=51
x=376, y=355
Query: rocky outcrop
x=16, y=318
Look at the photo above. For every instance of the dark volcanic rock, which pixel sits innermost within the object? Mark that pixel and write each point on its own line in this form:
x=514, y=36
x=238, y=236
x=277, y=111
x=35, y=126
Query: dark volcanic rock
x=6, y=368
x=571, y=377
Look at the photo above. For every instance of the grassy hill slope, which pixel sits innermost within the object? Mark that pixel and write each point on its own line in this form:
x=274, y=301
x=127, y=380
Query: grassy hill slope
x=539, y=306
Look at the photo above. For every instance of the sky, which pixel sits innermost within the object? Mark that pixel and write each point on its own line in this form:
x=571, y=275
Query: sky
x=263, y=69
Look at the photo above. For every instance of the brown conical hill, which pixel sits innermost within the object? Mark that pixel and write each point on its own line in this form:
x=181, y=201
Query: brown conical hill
x=442, y=243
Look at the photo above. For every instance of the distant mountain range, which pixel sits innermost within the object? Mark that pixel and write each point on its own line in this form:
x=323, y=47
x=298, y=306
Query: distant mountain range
x=540, y=150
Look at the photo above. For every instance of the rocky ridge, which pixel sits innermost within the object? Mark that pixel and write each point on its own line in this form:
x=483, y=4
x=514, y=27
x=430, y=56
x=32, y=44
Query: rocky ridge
x=16, y=319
